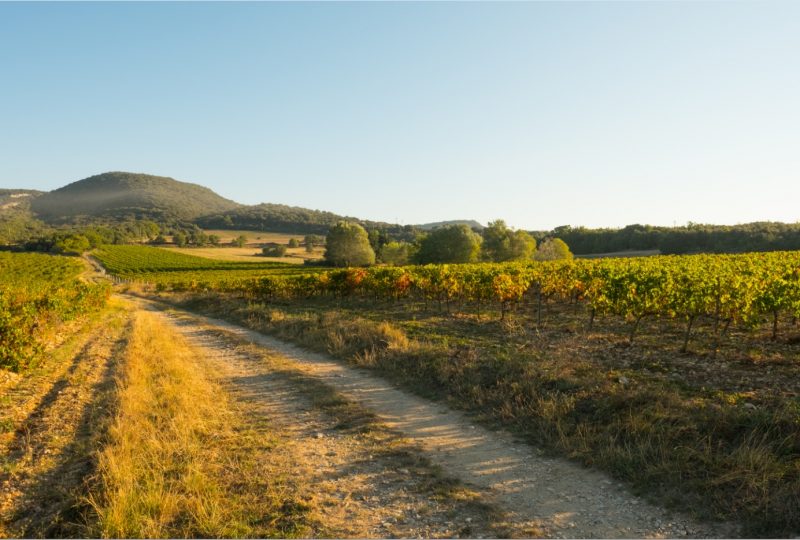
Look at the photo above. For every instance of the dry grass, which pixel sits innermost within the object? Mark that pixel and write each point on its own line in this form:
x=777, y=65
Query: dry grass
x=256, y=237
x=249, y=254
x=177, y=463
x=718, y=436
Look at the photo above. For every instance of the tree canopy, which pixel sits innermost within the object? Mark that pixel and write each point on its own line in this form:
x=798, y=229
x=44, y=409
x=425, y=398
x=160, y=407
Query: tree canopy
x=450, y=244
x=500, y=243
x=552, y=249
x=347, y=244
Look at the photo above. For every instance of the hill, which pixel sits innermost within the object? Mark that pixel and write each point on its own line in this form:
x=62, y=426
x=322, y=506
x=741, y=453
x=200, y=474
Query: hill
x=291, y=219
x=123, y=196
x=17, y=222
x=471, y=223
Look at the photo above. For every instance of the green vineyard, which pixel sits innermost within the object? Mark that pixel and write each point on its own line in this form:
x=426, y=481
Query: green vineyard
x=38, y=293
x=739, y=290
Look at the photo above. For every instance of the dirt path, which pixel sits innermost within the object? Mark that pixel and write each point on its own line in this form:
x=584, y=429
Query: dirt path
x=552, y=496
x=359, y=478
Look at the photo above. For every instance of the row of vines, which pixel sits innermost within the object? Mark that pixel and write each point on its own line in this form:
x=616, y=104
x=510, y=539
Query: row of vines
x=37, y=294
x=741, y=290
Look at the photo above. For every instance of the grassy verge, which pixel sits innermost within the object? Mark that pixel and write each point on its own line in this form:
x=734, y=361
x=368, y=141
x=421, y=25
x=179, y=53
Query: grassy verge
x=180, y=461
x=719, y=437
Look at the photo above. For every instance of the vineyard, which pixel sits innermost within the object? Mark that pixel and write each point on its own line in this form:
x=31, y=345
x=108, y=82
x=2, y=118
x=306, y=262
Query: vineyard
x=742, y=291
x=38, y=293
x=178, y=271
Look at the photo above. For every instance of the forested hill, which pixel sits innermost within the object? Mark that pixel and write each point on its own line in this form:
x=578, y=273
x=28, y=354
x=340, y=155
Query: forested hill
x=121, y=196
x=692, y=238
x=292, y=219
x=471, y=223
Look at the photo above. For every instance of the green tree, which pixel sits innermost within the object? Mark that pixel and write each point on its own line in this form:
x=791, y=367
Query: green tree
x=501, y=243
x=449, y=244
x=71, y=244
x=523, y=246
x=240, y=240
x=293, y=243
x=312, y=240
x=397, y=253
x=552, y=249
x=214, y=240
x=348, y=245
x=179, y=238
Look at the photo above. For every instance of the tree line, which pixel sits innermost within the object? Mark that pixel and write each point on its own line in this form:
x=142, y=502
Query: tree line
x=691, y=238
x=349, y=244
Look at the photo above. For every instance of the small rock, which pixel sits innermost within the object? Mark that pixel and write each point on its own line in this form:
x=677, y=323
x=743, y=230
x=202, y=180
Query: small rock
x=623, y=380
x=403, y=471
x=750, y=407
x=319, y=435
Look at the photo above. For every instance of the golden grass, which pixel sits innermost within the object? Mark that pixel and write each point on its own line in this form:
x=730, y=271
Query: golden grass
x=256, y=237
x=249, y=254
x=158, y=472
x=180, y=460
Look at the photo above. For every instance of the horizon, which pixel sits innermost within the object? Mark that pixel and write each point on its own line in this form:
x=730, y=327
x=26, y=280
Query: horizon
x=541, y=114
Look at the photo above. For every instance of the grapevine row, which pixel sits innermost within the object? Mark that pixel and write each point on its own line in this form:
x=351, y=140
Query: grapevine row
x=38, y=293
x=729, y=289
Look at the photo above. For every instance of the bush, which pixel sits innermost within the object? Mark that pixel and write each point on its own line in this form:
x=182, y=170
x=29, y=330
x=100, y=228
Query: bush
x=274, y=251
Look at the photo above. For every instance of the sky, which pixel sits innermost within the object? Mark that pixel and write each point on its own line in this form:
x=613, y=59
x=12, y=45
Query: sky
x=597, y=114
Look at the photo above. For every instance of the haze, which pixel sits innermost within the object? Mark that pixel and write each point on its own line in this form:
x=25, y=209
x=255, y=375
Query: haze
x=544, y=114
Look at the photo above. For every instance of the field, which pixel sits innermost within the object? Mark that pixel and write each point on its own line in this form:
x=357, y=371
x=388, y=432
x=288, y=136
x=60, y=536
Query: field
x=250, y=254
x=179, y=269
x=255, y=237
x=677, y=375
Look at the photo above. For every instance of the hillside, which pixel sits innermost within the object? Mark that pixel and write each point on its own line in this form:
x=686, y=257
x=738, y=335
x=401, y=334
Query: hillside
x=471, y=223
x=119, y=196
x=290, y=219
x=17, y=222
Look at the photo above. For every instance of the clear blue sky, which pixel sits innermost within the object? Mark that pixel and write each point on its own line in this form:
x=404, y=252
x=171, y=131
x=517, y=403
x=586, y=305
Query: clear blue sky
x=544, y=114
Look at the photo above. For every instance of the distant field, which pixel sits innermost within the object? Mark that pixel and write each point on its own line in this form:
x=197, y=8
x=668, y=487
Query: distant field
x=179, y=268
x=249, y=254
x=255, y=237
